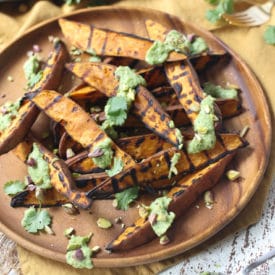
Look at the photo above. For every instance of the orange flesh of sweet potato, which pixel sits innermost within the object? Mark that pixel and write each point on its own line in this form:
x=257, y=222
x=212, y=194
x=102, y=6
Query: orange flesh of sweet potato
x=108, y=43
x=191, y=186
x=157, y=167
x=78, y=124
x=28, y=112
x=146, y=107
x=27, y=198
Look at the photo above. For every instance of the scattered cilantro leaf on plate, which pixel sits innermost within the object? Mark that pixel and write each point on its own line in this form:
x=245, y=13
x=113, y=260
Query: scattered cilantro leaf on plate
x=223, y=6
x=126, y=197
x=269, y=35
x=35, y=220
x=14, y=187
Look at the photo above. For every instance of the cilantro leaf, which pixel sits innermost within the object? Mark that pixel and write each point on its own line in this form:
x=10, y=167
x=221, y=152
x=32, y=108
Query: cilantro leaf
x=14, y=187
x=269, y=35
x=35, y=220
x=224, y=6
x=116, y=110
x=126, y=197
x=116, y=168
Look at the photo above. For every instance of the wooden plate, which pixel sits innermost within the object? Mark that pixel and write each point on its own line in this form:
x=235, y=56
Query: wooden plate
x=199, y=223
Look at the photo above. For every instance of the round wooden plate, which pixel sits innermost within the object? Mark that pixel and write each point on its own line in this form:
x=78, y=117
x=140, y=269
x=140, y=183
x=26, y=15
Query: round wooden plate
x=199, y=223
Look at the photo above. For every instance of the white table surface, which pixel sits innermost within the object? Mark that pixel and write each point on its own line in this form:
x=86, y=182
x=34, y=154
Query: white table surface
x=235, y=252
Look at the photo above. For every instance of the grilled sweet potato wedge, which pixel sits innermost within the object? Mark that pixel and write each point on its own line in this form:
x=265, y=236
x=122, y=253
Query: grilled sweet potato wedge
x=146, y=107
x=61, y=178
x=181, y=75
x=78, y=124
x=156, y=167
x=28, y=112
x=183, y=196
x=108, y=43
x=27, y=198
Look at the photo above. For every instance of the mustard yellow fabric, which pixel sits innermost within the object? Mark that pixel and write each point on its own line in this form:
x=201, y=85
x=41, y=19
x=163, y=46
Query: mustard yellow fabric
x=247, y=42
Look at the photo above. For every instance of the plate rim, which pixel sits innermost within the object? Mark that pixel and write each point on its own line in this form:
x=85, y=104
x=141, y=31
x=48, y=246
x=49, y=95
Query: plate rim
x=175, y=250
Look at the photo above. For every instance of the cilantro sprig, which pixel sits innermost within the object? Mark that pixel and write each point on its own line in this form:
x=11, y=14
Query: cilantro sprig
x=36, y=220
x=14, y=187
x=269, y=35
x=123, y=199
x=222, y=7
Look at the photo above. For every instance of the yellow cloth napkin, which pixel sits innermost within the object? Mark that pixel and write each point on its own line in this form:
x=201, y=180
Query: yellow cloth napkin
x=247, y=42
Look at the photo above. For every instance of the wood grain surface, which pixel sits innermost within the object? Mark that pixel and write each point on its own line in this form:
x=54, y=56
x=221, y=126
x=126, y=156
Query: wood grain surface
x=199, y=223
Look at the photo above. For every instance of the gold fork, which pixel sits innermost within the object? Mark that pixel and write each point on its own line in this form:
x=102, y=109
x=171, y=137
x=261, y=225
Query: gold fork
x=253, y=16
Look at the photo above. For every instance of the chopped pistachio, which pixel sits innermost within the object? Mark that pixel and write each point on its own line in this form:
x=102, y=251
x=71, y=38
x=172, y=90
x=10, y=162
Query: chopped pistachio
x=143, y=212
x=233, y=174
x=118, y=220
x=39, y=193
x=55, y=151
x=10, y=78
x=195, y=107
x=69, y=153
x=70, y=209
x=244, y=131
x=171, y=124
x=48, y=230
x=123, y=225
x=208, y=199
x=164, y=240
x=96, y=249
x=68, y=232
x=115, y=203
x=103, y=223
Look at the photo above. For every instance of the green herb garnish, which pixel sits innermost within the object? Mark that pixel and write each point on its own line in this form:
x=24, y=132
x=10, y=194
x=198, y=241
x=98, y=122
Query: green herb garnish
x=124, y=198
x=269, y=35
x=14, y=187
x=223, y=6
x=35, y=220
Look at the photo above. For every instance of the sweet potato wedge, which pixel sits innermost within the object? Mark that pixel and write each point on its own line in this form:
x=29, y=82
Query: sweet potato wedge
x=28, y=112
x=146, y=107
x=183, y=196
x=107, y=42
x=78, y=124
x=156, y=167
x=61, y=178
x=27, y=198
x=181, y=75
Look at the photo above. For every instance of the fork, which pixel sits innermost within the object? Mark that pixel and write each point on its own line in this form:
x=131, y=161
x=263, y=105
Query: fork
x=253, y=16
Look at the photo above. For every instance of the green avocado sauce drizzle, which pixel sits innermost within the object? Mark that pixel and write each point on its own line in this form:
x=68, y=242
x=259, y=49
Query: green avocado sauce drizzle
x=219, y=92
x=204, y=128
x=9, y=111
x=159, y=216
x=79, y=253
x=174, y=41
x=105, y=158
x=39, y=171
